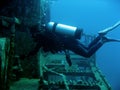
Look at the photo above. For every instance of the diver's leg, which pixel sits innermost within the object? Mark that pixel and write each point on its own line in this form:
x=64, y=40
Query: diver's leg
x=96, y=46
x=96, y=40
x=93, y=49
x=102, y=33
x=90, y=51
x=92, y=43
x=78, y=48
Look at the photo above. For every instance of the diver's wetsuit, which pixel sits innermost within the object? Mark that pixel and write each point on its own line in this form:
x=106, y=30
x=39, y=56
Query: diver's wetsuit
x=86, y=51
x=51, y=41
x=54, y=43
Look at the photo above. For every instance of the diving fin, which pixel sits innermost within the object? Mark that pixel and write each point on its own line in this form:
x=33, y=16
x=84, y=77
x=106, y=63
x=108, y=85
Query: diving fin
x=105, y=31
x=105, y=39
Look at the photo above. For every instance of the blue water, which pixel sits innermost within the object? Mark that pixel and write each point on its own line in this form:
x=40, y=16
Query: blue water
x=92, y=16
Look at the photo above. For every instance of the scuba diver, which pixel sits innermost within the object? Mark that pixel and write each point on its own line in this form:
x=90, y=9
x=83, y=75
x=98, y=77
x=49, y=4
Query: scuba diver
x=55, y=37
